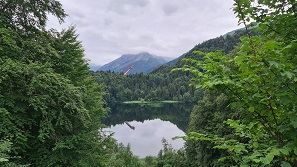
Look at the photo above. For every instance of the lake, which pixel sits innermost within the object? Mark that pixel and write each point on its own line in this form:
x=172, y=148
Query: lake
x=152, y=123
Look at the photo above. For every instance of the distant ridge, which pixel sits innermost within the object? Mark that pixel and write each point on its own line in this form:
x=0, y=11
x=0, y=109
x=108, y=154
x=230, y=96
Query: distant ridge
x=143, y=62
x=224, y=43
x=94, y=67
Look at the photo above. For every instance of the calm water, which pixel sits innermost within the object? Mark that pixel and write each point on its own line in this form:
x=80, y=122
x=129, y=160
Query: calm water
x=152, y=123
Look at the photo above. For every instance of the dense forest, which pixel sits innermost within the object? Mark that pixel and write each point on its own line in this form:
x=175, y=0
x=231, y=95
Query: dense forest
x=244, y=84
x=162, y=83
x=148, y=87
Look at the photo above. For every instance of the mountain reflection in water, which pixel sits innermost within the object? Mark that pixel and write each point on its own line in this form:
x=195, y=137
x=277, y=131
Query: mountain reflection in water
x=152, y=123
x=146, y=138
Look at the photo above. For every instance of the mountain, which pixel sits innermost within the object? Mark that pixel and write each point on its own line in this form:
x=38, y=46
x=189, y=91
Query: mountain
x=224, y=43
x=94, y=67
x=142, y=62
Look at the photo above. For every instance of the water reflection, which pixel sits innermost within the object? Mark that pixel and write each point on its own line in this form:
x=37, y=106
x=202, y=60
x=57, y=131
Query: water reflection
x=151, y=122
x=177, y=114
x=146, y=138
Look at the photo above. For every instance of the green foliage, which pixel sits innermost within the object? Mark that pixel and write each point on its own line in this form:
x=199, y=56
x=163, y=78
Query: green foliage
x=50, y=106
x=162, y=84
x=224, y=43
x=276, y=18
x=207, y=117
x=170, y=157
x=5, y=147
x=260, y=80
x=177, y=113
x=123, y=157
x=59, y=107
x=29, y=15
x=150, y=87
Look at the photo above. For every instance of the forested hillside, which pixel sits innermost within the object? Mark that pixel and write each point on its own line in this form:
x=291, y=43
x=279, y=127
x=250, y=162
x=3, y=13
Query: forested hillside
x=162, y=84
x=256, y=94
x=247, y=116
x=51, y=105
x=149, y=87
x=224, y=43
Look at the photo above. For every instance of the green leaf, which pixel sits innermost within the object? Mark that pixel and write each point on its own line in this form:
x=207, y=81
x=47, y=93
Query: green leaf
x=251, y=109
x=244, y=165
x=198, y=52
x=285, y=164
x=287, y=74
x=267, y=159
x=240, y=58
x=275, y=151
x=293, y=121
x=273, y=63
x=4, y=160
x=284, y=151
x=263, y=26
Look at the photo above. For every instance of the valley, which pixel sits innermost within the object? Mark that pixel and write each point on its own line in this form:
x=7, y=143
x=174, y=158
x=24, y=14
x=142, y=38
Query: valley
x=228, y=101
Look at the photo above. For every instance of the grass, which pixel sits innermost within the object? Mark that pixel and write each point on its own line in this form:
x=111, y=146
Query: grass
x=149, y=102
x=134, y=102
x=169, y=101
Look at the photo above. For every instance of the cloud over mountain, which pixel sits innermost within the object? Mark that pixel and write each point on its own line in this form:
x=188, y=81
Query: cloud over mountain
x=109, y=28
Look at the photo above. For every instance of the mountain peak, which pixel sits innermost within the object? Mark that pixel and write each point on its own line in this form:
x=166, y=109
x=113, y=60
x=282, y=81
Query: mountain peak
x=142, y=62
x=144, y=53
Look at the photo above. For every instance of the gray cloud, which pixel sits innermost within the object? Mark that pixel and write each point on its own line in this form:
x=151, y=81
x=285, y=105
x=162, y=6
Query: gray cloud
x=169, y=9
x=124, y=6
x=76, y=14
x=108, y=22
x=110, y=28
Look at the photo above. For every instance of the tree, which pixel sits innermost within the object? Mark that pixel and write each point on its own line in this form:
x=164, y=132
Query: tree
x=5, y=148
x=123, y=157
x=260, y=80
x=50, y=106
x=29, y=16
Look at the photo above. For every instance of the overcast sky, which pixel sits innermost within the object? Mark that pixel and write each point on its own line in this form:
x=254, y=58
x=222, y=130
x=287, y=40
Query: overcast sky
x=169, y=28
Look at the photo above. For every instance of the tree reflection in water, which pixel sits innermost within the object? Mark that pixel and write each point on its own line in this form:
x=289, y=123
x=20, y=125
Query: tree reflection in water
x=152, y=123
